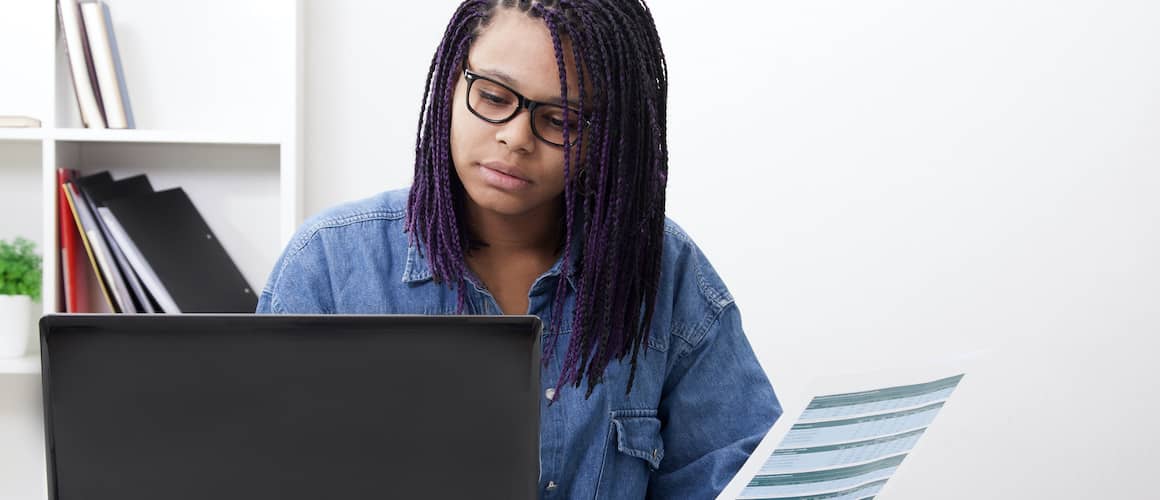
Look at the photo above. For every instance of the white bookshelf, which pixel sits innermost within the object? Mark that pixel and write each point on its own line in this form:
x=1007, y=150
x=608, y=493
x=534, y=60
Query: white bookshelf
x=216, y=90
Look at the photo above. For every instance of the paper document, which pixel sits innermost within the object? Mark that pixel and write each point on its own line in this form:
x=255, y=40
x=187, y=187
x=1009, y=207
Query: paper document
x=845, y=446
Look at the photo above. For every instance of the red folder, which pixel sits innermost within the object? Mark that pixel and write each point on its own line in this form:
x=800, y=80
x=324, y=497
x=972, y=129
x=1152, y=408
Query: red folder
x=76, y=276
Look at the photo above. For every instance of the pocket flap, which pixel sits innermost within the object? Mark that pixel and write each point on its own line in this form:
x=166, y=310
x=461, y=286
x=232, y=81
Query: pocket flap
x=640, y=437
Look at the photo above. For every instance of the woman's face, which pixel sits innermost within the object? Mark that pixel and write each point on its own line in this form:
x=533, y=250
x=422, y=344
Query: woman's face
x=504, y=167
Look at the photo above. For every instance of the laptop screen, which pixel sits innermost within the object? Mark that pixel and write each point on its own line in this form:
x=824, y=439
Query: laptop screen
x=289, y=407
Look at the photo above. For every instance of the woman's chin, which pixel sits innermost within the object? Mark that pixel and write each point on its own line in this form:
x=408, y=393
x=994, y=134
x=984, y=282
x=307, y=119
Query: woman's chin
x=506, y=203
x=499, y=202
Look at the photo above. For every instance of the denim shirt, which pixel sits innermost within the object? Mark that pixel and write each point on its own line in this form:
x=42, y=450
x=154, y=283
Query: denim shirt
x=700, y=401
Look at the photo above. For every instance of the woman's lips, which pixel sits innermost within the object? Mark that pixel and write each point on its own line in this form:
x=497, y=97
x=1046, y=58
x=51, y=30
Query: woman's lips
x=495, y=177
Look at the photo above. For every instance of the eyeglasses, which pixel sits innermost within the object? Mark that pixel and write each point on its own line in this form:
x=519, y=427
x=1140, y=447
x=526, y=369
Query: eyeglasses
x=494, y=102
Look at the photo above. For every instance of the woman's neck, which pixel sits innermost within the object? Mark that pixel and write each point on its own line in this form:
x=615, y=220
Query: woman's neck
x=536, y=232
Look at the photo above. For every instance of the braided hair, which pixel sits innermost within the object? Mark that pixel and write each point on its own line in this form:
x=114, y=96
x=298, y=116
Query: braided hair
x=618, y=201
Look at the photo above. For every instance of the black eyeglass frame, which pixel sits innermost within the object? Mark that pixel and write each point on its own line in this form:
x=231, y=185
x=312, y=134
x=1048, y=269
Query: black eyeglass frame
x=521, y=104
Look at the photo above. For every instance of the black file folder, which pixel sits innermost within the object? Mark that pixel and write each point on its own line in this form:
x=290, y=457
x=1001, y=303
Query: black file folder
x=100, y=193
x=94, y=179
x=175, y=241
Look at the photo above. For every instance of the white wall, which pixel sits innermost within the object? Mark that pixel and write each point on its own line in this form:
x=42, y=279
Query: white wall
x=881, y=182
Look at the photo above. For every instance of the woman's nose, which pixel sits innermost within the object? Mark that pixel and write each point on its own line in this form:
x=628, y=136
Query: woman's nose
x=517, y=132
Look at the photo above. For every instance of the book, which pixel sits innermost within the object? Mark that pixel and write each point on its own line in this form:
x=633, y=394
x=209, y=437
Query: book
x=97, y=194
x=18, y=122
x=107, y=256
x=184, y=254
x=118, y=268
x=106, y=62
x=90, y=240
x=76, y=48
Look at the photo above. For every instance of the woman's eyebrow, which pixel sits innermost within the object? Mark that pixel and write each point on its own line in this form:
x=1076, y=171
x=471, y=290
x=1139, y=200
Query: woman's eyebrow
x=499, y=75
x=511, y=82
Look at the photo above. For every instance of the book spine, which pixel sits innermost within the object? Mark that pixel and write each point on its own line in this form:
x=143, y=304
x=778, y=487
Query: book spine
x=77, y=51
x=77, y=210
x=98, y=28
x=108, y=255
x=67, y=236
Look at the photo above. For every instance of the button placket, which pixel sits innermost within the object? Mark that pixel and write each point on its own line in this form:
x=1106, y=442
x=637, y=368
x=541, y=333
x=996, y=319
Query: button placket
x=553, y=431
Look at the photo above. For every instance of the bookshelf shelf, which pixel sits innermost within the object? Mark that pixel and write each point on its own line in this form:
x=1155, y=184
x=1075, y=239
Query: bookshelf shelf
x=138, y=136
x=160, y=137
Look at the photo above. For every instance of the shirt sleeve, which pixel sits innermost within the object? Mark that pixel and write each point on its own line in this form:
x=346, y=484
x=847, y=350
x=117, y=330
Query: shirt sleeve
x=716, y=406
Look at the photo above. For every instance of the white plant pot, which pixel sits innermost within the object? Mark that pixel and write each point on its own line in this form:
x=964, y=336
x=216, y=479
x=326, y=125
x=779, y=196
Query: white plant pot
x=15, y=325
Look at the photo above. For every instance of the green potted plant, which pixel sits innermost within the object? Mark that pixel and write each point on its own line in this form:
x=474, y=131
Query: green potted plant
x=20, y=275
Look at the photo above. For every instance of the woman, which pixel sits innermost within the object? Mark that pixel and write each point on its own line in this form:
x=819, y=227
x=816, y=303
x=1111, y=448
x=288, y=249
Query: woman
x=540, y=174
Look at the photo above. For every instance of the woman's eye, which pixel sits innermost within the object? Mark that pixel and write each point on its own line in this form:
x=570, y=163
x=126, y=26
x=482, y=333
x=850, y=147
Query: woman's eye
x=557, y=122
x=492, y=98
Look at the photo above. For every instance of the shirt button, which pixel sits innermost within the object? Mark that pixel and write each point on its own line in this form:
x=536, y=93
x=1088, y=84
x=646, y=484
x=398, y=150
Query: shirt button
x=550, y=394
x=551, y=485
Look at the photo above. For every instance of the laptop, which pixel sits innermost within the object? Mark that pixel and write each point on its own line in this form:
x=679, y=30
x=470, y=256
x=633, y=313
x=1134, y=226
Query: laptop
x=291, y=407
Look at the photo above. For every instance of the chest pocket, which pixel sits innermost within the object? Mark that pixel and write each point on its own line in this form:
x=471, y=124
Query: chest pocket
x=634, y=450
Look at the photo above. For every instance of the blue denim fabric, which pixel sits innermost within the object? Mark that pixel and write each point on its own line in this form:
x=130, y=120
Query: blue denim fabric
x=700, y=403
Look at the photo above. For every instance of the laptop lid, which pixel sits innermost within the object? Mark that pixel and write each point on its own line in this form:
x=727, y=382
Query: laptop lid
x=291, y=407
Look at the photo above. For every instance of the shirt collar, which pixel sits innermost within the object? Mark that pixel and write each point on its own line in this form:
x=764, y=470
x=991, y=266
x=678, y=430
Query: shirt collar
x=419, y=270
x=416, y=269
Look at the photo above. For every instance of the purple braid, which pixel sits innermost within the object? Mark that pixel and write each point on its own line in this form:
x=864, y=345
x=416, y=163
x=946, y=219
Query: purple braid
x=618, y=305
x=551, y=19
x=594, y=248
x=608, y=313
x=581, y=44
x=431, y=208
